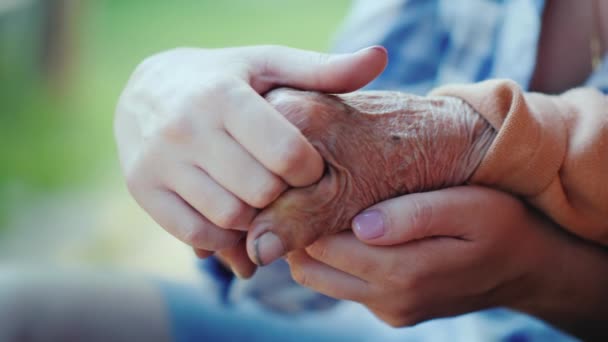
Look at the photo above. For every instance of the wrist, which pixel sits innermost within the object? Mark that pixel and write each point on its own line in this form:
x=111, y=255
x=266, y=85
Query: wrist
x=474, y=133
x=569, y=288
x=443, y=136
x=460, y=138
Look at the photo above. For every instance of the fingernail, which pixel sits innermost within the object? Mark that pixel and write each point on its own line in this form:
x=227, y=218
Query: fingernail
x=268, y=248
x=369, y=225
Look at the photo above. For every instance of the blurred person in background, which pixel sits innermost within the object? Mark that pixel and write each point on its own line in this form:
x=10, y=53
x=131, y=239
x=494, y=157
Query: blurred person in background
x=530, y=264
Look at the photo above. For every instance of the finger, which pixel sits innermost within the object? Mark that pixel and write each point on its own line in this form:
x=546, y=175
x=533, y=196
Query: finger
x=345, y=253
x=210, y=199
x=308, y=70
x=178, y=218
x=450, y=212
x=294, y=221
x=236, y=258
x=326, y=280
x=381, y=264
x=232, y=167
x=271, y=139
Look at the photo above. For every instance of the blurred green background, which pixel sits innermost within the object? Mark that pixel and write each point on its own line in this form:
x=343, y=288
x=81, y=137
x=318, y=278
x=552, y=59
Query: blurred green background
x=62, y=66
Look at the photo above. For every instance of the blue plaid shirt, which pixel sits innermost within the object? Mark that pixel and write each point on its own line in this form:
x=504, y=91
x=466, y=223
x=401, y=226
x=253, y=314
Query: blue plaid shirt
x=436, y=42
x=431, y=43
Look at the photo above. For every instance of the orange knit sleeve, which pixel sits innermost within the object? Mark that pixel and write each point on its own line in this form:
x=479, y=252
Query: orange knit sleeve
x=552, y=150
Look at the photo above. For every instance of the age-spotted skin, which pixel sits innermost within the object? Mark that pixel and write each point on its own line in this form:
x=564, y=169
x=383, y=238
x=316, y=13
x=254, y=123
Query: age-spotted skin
x=376, y=145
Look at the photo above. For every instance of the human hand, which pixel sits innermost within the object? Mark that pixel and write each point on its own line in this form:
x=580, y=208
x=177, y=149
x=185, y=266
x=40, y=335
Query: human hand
x=458, y=250
x=201, y=150
x=376, y=145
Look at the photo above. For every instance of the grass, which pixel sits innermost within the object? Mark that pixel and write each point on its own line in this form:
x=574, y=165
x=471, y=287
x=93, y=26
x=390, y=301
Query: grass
x=61, y=138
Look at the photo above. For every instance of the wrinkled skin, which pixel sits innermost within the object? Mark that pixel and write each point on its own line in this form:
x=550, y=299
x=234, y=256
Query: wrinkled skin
x=376, y=145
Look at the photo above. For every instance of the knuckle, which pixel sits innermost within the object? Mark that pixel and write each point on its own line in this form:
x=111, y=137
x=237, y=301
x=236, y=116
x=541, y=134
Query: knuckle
x=285, y=99
x=395, y=275
x=319, y=250
x=291, y=155
x=296, y=106
x=179, y=128
x=300, y=277
x=194, y=98
x=298, y=273
x=267, y=193
x=231, y=214
x=264, y=54
x=197, y=234
x=217, y=87
x=202, y=235
x=409, y=284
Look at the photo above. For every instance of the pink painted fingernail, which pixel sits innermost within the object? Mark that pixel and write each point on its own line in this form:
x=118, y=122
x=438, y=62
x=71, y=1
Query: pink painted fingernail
x=268, y=248
x=369, y=225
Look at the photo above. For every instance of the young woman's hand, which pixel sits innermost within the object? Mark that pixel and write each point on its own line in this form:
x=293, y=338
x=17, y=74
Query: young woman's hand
x=458, y=250
x=202, y=150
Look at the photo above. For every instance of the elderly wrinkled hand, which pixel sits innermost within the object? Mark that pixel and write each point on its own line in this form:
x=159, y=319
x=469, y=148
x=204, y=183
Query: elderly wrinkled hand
x=376, y=146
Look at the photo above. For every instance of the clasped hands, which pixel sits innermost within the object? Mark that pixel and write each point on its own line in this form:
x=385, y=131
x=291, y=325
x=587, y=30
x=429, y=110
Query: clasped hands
x=410, y=256
x=212, y=161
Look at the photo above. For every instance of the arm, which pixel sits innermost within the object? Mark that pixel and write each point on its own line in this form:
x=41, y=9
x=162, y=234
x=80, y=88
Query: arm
x=551, y=149
x=577, y=300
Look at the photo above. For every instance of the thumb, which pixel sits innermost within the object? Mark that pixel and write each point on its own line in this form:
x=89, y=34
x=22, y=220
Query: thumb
x=283, y=66
x=452, y=212
x=296, y=220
